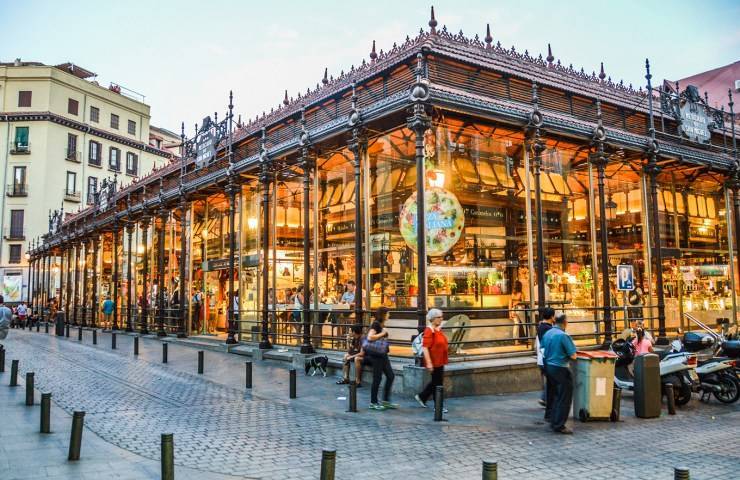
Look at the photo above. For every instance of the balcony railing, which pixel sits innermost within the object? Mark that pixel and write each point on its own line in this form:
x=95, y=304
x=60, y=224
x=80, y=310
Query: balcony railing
x=14, y=233
x=72, y=155
x=17, y=190
x=20, y=148
x=72, y=196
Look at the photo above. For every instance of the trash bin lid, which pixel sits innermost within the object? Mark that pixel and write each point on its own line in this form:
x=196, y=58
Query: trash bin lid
x=594, y=354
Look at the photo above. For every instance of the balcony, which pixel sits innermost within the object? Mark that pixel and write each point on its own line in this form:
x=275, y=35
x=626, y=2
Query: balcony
x=20, y=148
x=72, y=155
x=71, y=196
x=14, y=233
x=17, y=190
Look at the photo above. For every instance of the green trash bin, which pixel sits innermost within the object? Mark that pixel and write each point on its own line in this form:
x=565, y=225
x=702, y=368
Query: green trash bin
x=593, y=385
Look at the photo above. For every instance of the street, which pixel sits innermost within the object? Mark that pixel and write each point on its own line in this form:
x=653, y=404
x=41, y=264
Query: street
x=225, y=431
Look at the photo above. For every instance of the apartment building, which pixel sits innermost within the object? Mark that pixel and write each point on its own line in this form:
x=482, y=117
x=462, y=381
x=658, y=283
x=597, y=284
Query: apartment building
x=61, y=135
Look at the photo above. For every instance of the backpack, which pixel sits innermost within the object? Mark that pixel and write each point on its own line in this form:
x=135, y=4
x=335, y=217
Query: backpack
x=417, y=346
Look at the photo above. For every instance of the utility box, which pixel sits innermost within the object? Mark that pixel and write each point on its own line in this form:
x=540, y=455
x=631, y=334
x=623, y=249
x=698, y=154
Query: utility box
x=647, y=386
x=59, y=324
x=594, y=384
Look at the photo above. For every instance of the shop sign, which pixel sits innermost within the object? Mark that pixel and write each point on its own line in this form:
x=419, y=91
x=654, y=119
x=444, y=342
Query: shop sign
x=444, y=220
x=205, y=143
x=12, y=285
x=484, y=213
x=625, y=278
x=215, y=264
x=695, y=121
x=383, y=221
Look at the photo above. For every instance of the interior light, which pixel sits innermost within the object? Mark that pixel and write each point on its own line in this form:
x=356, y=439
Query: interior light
x=252, y=223
x=437, y=179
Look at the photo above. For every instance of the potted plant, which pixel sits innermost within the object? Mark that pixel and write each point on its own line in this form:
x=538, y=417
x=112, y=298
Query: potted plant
x=438, y=283
x=412, y=283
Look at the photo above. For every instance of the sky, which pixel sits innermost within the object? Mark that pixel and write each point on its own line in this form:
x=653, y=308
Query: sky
x=184, y=56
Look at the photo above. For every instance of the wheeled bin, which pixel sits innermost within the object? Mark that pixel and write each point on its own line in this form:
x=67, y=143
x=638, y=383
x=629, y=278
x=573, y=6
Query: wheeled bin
x=593, y=384
x=647, y=386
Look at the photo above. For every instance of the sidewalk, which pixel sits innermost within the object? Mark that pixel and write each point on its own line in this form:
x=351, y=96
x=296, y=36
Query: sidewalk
x=25, y=454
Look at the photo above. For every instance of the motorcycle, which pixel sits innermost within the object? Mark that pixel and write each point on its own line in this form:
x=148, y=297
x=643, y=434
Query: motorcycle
x=676, y=368
x=716, y=374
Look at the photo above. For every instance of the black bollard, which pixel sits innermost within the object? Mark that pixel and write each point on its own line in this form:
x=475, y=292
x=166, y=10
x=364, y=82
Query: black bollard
x=30, y=325
x=46, y=327
x=38, y=327
x=66, y=330
x=164, y=353
x=200, y=362
x=168, y=457
x=490, y=470
x=113, y=340
x=681, y=473
x=14, y=373
x=438, y=402
x=75, y=437
x=248, y=374
x=95, y=336
x=45, y=413
x=2, y=359
x=616, y=404
x=79, y=334
x=29, y=388
x=328, y=464
x=352, y=398
x=136, y=345
x=670, y=400
x=292, y=383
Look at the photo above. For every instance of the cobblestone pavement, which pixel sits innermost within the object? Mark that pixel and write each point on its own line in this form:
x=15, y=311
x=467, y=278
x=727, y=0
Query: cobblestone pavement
x=219, y=428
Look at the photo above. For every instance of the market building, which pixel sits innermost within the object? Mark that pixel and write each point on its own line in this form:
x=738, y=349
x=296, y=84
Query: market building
x=446, y=172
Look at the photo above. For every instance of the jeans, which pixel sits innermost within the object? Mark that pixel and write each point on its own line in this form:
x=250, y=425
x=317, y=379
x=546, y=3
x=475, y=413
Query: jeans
x=560, y=395
x=437, y=379
x=381, y=366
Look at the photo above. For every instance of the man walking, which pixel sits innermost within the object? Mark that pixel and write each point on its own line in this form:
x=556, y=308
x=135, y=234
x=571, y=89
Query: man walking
x=6, y=315
x=108, y=307
x=559, y=350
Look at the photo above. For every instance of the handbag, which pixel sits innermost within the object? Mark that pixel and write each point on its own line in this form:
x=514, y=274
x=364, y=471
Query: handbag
x=377, y=347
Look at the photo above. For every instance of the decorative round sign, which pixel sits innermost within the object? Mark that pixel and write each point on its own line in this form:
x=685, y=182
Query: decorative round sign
x=444, y=221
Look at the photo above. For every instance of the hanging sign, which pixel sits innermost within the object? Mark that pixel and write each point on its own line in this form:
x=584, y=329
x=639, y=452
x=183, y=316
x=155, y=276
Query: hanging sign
x=444, y=219
x=205, y=143
x=695, y=121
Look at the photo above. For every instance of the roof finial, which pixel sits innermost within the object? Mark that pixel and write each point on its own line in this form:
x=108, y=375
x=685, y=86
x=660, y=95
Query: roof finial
x=373, y=55
x=285, y=100
x=488, y=38
x=602, y=75
x=433, y=23
x=550, y=57
x=325, y=80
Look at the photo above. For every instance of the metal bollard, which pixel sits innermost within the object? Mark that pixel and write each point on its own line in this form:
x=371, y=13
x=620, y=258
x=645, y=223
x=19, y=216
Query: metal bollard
x=136, y=345
x=30, y=325
x=164, y=353
x=670, y=400
x=79, y=334
x=352, y=398
x=248, y=374
x=14, y=373
x=292, y=383
x=438, y=402
x=168, y=457
x=38, y=327
x=46, y=327
x=200, y=362
x=328, y=464
x=2, y=359
x=616, y=404
x=29, y=389
x=490, y=470
x=95, y=336
x=681, y=473
x=75, y=438
x=66, y=330
x=113, y=340
x=45, y=413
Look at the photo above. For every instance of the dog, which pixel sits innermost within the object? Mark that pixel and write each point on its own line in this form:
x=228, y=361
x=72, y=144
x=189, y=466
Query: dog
x=316, y=365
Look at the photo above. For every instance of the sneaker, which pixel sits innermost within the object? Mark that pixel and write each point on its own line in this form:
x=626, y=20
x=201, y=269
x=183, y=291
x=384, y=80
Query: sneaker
x=343, y=381
x=564, y=431
x=419, y=401
x=376, y=406
x=387, y=404
x=542, y=403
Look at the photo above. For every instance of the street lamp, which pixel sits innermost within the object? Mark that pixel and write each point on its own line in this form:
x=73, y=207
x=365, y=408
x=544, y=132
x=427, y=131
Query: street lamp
x=28, y=275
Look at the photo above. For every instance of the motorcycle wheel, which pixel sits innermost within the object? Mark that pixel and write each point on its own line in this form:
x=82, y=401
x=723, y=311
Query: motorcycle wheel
x=681, y=394
x=730, y=389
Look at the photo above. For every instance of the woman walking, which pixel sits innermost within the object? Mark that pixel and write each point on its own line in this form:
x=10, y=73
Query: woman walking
x=376, y=350
x=435, y=349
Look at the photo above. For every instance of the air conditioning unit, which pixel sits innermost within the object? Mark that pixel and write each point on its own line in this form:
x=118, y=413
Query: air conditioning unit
x=737, y=85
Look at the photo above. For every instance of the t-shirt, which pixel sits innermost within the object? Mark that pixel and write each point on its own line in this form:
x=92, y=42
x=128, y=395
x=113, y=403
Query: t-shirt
x=436, y=342
x=21, y=310
x=108, y=306
x=348, y=297
x=558, y=347
x=642, y=347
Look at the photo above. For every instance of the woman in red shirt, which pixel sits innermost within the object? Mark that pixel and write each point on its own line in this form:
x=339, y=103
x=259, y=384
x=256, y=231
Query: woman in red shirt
x=435, y=354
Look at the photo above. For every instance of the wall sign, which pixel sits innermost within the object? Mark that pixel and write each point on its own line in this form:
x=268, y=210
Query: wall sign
x=444, y=220
x=205, y=143
x=695, y=121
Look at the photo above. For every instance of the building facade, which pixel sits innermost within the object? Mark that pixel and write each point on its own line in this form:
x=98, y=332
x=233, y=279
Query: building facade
x=448, y=172
x=61, y=136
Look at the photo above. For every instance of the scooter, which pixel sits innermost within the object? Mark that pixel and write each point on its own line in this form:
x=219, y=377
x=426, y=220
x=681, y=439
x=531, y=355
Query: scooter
x=717, y=374
x=676, y=368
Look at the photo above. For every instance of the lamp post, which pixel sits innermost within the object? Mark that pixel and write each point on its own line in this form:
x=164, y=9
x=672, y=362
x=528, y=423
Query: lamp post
x=28, y=265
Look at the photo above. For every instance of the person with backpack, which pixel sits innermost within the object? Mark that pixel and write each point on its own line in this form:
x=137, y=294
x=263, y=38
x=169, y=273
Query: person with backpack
x=435, y=354
x=21, y=312
x=6, y=316
x=375, y=347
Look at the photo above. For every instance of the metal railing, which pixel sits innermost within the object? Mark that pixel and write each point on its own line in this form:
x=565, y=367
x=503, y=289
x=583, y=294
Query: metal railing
x=14, y=233
x=19, y=148
x=72, y=196
x=72, y=155
x=17, y=190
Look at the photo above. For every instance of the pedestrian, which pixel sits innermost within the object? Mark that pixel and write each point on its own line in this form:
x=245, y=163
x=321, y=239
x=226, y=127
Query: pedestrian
x=548, y=317
x=197, y=307
x=6, y=316
x=376, y=350
x=354, y=355
x=516, y=314
x=559, y=350
x=435, y=350
x=21, y=312
x=642, y=342
x=108, y=307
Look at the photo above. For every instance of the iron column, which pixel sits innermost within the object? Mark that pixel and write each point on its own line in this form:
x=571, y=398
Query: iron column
x=144, y=327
